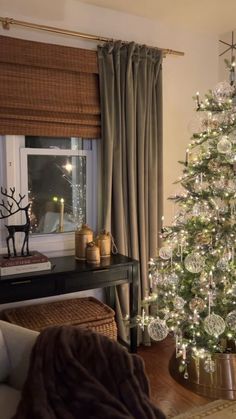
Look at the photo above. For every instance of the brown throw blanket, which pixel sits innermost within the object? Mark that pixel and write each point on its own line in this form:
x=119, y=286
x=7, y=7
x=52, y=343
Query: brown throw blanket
x=75, y=373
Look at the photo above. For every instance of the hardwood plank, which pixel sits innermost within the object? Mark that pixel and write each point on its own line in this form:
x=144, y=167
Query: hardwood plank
x=169, y=395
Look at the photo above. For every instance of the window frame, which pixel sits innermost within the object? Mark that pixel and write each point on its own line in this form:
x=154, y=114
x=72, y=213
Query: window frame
x=54, y=244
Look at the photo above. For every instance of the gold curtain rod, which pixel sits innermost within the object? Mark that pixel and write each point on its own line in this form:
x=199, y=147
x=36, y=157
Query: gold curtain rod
x=8, y=21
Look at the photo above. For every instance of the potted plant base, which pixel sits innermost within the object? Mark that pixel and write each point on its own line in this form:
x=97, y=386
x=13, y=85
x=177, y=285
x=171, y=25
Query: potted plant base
x=220, y=384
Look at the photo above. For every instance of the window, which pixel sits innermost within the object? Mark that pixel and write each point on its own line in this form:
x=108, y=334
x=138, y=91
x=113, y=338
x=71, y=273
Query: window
x=58, y=177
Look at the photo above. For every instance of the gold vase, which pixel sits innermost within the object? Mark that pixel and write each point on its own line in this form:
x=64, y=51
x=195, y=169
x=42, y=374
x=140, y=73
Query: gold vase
x=220, y=384
x=82, y=236
x=103, y=241
x=92, y=253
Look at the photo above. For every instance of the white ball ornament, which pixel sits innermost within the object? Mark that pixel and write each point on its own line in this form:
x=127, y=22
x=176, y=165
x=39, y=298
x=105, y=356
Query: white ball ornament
x=197, y=304
x=214, y=325
x=194, y=263
x=157, y=329
x=223, y=91
x=224, y=146
x=231, y=320
x=178, y=302
x=165, y=252
x=172, y=279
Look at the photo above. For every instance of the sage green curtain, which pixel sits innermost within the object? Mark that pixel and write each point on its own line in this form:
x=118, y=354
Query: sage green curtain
x=131, y=116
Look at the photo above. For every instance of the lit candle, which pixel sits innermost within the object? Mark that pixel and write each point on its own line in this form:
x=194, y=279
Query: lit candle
x=186, y=158
x=150, y=283
x=61, y=221
x=198, y=101
x=143, y=316
x=162, y=224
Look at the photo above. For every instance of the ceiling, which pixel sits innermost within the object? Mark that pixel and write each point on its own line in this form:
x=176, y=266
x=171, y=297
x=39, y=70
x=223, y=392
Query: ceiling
x=215, y=16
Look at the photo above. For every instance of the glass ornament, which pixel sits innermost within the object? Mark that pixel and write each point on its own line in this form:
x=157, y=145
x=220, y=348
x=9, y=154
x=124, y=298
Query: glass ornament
x=200, y=209
x=224, y=146
x=223, y=263
x=222, y=91
x=220, y=183
x=178, y=302
x=197, y=304
x=157, y=329
x=231, y=320
x=203, y=238
x=209, y=365
x=214, y=325
x=158, y=279
x=165, y=252
x=172, y=278
x=194, y=263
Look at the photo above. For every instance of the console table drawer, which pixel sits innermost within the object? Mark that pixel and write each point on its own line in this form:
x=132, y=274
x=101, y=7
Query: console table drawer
x=96, y=279
x=25, y=289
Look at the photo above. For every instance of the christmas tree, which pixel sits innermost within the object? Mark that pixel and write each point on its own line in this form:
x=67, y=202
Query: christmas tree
x=194, y=274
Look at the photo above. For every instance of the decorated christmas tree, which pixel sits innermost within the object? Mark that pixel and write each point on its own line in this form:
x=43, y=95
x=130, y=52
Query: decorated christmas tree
x=194, y=273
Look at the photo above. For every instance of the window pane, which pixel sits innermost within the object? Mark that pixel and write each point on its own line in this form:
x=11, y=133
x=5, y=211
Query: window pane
x=57, y=190
x=57, y=143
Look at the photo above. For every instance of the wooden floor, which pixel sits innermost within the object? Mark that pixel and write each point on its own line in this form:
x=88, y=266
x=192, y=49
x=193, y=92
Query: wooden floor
x=166, y=393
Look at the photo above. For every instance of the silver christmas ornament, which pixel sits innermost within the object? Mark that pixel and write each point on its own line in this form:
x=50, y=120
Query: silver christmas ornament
x=165, y=252
x=158, y=279
x=214, y=325
x=157, y=329
x=178, y=302
x=194, y=263
x=224, y=146
x=231, y=320
x=172, y=278
x=223, y=91
x=197, y=304
x=222, y=263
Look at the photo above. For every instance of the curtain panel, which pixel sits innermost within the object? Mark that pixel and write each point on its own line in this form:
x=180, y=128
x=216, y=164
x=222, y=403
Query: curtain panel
x=131, y=116
x=48, y=90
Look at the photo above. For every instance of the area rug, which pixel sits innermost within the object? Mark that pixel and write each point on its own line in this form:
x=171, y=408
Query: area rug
x=219, y=409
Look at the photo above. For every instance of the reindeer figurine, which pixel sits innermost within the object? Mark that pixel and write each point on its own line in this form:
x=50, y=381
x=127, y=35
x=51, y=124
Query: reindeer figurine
x=11, y=208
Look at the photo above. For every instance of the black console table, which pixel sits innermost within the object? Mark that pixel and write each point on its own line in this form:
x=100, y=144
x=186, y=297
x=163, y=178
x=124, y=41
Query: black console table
x=68, y=275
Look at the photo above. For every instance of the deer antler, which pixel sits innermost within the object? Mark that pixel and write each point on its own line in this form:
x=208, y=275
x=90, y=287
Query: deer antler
x=9, y=206
x=11, y=196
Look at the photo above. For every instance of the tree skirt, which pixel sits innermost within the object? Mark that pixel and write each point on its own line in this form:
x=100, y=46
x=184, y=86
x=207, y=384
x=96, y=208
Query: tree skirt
x=219, y=409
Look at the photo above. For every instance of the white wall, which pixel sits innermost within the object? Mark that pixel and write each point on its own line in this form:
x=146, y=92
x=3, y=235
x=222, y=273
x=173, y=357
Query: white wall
x=183, y=76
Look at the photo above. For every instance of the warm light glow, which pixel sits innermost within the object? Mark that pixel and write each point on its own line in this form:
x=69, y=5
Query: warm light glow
x=68, y=167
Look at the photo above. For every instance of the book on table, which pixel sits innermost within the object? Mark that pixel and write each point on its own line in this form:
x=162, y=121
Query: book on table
x=36, y=261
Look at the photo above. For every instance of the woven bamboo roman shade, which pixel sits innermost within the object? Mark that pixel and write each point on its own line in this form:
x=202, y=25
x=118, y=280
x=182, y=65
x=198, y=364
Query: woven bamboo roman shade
x=48, y=90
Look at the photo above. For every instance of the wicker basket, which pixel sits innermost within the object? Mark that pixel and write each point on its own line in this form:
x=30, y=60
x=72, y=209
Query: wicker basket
x=85, y=312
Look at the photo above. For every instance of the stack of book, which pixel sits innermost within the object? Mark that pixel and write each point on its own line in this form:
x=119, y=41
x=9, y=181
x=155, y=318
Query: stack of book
x=22, y=264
